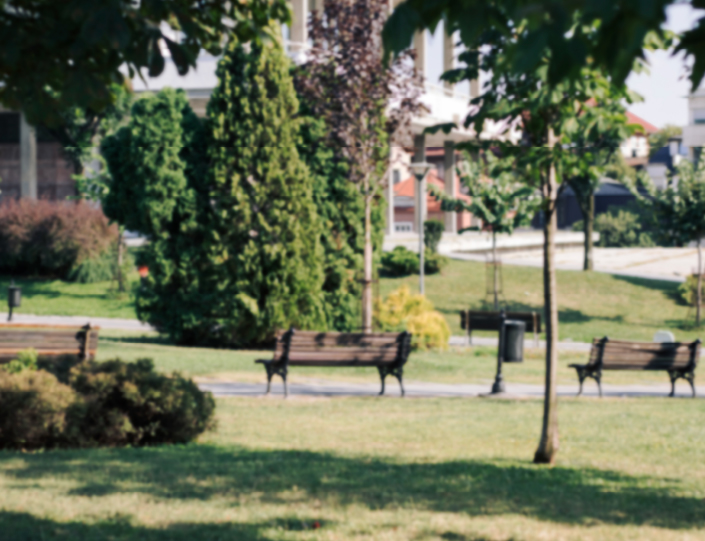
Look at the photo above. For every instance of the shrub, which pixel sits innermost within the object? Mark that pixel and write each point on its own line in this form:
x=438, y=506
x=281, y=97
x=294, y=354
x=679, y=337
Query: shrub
x=103, y=267
x=432, y=233
x=33, y=407
x=131, y=404
x=414, y=313
x=620, y=228
x=43, y=238
x=403, y=262
x=26, y=360
x=687, y=291
x=434, y=263
x=400, y=262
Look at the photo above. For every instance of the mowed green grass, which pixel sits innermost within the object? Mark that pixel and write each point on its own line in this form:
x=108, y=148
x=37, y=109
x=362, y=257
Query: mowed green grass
x=379, y=469
x=457, y=365
x=59, y=298
x=590, y=304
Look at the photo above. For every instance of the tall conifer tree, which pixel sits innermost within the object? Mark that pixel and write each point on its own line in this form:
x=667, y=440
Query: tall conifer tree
x=263, y=213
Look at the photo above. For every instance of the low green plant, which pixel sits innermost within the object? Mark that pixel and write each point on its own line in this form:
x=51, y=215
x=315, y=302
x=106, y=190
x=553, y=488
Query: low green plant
x=687, y=291
x=89, y=404
x=400, y=262
x=33, y=406
x=434, y=263
x=132, y=404
x=432, y=233
x=26, y=360
x=620, y=228
x=403, y=262
x=414, y=313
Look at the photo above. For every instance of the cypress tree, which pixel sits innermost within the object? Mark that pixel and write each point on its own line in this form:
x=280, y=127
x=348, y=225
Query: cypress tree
x=263, y=215
x=157, y=164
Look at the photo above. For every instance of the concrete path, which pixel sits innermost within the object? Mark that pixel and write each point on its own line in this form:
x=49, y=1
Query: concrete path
x=78, y=321
x=415, y=389
x=666, y=264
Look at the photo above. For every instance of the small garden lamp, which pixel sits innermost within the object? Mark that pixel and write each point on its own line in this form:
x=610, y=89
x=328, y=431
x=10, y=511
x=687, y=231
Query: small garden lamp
x=420, y=170
x=14, y=298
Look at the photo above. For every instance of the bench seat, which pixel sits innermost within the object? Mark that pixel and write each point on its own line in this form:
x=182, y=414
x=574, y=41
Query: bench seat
x=677, y=358
x=48, y=340
x=388, y=352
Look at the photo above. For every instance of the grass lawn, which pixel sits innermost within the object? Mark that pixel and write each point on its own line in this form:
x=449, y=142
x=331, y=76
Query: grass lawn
x=378, y=469
x=59, y=298
x=591, y=304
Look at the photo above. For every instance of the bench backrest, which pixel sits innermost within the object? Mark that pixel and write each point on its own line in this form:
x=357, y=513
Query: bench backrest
x=48, y=340
x=620, y=355
x=489, y=321
x=312, y=348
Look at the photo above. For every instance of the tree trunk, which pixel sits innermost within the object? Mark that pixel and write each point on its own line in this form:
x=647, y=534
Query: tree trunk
x=699, y=292
x=367, y=281
x=588, y=227
x=548, y=446
x=495, y=271
x=120, y=277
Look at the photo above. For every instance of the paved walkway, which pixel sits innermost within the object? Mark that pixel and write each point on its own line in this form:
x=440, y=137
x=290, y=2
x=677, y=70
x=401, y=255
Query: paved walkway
x=102, y=322
x=416, y=389
x=666, y=264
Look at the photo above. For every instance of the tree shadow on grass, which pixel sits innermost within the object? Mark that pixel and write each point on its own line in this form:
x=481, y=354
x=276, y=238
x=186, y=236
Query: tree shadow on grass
x=21, y=526
x=200, y=472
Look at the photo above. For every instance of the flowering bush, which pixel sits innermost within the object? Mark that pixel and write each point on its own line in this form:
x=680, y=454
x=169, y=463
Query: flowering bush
x=414, y=313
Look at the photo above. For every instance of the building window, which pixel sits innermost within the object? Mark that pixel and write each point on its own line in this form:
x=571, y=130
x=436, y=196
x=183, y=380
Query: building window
x=403, y=227
x=396, y=176
x=698, y=116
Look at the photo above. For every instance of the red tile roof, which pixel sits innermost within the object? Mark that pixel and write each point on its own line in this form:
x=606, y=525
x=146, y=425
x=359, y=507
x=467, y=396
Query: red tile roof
x=407, y=188
x=648, y=127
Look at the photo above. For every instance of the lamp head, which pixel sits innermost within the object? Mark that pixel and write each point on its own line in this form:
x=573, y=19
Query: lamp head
x=420, y=169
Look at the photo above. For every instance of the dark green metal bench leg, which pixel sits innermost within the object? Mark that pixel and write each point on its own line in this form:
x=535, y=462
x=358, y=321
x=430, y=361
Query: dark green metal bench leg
x=690, y=376
x=674, y=376
x=399, y=373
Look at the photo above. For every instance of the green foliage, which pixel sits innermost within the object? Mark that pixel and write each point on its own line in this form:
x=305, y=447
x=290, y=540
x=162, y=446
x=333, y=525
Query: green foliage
x=102, y=268
x=26, y=360
x=131, y=404
x=432, y=233
x=33, y=407
x=618, y=169
x=89, y=404
x=688, y=290
x=621, y=228
x=57, y=56
x=433, y=262
x=496, y=194
x=340, y=206
x=400, y=262
x=564, y=35
x=660, y=139
x=263, y=218
x=414, y=313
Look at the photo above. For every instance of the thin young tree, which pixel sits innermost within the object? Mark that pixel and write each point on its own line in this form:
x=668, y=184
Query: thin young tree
x=498, y=198
x=545, y=114
x=679, y=211
x=600, y=127
x=367, y=106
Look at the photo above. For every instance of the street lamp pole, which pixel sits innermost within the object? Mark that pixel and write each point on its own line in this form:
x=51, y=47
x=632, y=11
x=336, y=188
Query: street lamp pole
x=420, y=170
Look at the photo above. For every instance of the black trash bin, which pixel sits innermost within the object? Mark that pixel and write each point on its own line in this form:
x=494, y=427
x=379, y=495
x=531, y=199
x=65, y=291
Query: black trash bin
x=514, y=341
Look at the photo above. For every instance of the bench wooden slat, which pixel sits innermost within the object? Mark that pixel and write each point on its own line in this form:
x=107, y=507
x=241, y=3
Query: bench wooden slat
x=677, y=358
x=47, y=340
x=386, y=351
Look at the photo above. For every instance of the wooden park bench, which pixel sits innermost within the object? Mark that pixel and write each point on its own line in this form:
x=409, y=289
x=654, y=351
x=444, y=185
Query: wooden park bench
x=48, y=340
x=471, y=320
x=386, y=351
x=678, y=359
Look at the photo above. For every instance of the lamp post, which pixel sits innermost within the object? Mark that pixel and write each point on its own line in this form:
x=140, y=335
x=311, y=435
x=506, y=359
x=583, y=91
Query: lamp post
x=420, y=170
